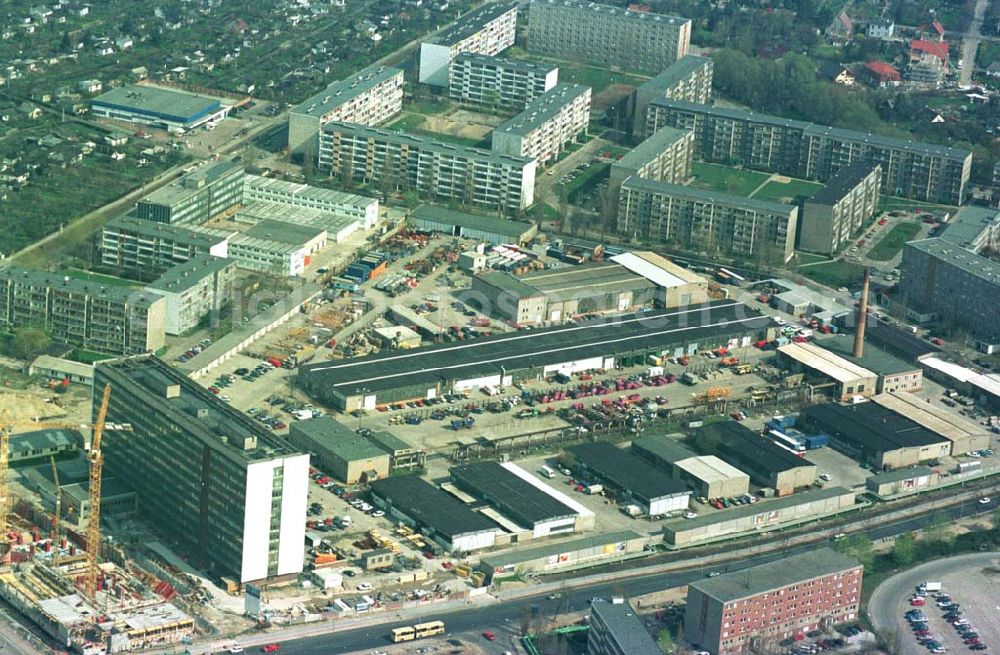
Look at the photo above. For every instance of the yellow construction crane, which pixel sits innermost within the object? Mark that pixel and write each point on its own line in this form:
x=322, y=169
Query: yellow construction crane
x=58, y=513
x=94, y=521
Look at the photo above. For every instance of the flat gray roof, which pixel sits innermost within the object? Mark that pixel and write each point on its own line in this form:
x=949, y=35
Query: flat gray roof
x=775, y=575
x=289, y=233
x=812, y=129
x=898, y=475
x=760, y=507
x=328, y=433
x=187, y=274
x=625, y=627
x=843, y=182
x=472, y=22
x=675, y=72
x=584, y=543
x=194, y=182
x=543, y=108
x=164, y=103
x=341, y=91
x=651, y=148
x=443, y=215
x=969, y=224
x=959, y=257
x=56, y=280
x=431, y=145
x=595, y=7
x=174, y=233
x=872, y=359
x=510, y=283
x=663, y=447
x=503, y=62
x=44, y=439
x=702, y=195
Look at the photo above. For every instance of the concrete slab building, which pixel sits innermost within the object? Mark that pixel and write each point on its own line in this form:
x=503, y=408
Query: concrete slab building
x=547, y=125
x=710, y=477
x=835, y=214
x=339, y=451
x=689, y=78
x=194, y=289
x=894, y=374
x=768, y=465
x=146, y=249
x=275, y=248
x=498, y=84
x=744, y=611
x=488, y=30
x=973, y=228
x=665, y=156
x=210, y=189
x=902, y=481
x=965, y=435
x=371, y=96
x=616, y=629
x=340, y=204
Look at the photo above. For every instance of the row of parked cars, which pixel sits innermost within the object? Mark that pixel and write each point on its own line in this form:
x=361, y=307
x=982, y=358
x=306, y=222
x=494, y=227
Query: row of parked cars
x=723, y=503
x=201, y=345
x=951, y=613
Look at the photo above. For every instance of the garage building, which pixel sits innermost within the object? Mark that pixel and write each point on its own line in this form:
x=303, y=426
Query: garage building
x=676, y=285
x=826, y=370
x=339, y=451
x=662, y=450
x=875, y=435
x=768, y=464
x=902, y=481
x=710, y=477
x=650, y=488
x=518, y=495
x=563, y=555
x=401, y=454
x=480, y=227
x=759, y=516
x=964, y=435
x=434, y=513
x=894, y=374
x=506, y=359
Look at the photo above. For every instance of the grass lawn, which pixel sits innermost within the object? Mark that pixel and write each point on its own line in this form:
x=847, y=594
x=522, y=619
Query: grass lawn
x=586, y=179
x=544, y=212
x=892, y=203
x=714, y=177
x=892, y=243
x=835, y=274
x=788, y=192
x=108, y=280
x=407, y=122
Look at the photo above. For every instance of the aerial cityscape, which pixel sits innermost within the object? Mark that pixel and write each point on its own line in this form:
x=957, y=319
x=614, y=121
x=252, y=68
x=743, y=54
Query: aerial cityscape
x=534, y=327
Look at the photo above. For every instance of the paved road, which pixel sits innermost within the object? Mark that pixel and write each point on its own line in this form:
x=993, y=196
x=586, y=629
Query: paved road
x=888, y=603
x=494, y=615
x=970, y=43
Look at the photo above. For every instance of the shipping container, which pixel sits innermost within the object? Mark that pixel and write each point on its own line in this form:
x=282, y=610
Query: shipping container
x=814, y=441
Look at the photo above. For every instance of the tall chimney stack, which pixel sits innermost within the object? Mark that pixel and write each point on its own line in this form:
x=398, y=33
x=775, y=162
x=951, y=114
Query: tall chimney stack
x=859, y=334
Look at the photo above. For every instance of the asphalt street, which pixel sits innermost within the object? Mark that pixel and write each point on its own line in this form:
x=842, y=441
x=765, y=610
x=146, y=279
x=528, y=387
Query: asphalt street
x=496, y=616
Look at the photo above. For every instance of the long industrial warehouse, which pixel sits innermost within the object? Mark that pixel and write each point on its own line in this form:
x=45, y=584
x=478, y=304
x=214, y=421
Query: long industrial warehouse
x=427, y=372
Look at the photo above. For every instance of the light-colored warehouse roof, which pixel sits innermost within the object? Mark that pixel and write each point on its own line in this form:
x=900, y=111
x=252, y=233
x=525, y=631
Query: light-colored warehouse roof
x=987, y=383
x=930, y=416
x=826, y=362
x=710, y=469
x=658, y=270
x=50, y=363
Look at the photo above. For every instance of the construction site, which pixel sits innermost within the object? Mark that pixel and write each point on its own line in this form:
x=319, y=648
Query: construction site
x=85, y=594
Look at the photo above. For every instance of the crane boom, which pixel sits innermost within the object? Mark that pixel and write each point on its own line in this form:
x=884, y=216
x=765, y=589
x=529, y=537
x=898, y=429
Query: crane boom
x=94, y=522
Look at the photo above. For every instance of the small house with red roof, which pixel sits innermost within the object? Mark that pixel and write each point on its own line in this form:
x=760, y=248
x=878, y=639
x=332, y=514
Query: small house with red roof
x=881, y=74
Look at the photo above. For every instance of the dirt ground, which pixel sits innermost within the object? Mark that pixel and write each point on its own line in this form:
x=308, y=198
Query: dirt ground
x=455, y=127
x=42, y=405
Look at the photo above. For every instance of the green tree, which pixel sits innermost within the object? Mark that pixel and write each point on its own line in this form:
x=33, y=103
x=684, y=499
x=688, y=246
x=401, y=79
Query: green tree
x=938, y=534
x=859, y=547
x=903, y=551
x=28, y=340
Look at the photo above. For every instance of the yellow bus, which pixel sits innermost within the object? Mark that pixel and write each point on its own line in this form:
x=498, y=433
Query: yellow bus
x=406, y=633
x=429, y=629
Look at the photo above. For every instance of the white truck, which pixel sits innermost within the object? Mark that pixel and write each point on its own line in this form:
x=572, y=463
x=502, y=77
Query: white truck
x=929, y=587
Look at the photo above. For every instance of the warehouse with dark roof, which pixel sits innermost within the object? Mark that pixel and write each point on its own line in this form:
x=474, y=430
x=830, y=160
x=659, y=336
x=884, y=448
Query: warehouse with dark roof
x=519, y=496
x=768, y=464
x=624, y=340
x=647, y=486
x=876, y=435
x=434, y=513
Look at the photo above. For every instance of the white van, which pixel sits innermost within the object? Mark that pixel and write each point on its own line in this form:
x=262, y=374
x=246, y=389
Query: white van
x=546, y=472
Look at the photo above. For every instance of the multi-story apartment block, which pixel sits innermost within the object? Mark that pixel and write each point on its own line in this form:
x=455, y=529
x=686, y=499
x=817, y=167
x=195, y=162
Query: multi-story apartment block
x=369, y=97
x=435, y=170
x=104, y=318
x=198, y=287
x=230, y=493
x=974, y=228
x=616, y=629
x=488, y=30
x=921, y=171
x=691, y=218
x=498, y=84
x=665, y=156
x=689, y=79
x=546, y=125
x=941, y=280
x=145, y=249
x=752, y=610
x=835, y=213
x=291, y=194
x=577, y=30
x=207, y=191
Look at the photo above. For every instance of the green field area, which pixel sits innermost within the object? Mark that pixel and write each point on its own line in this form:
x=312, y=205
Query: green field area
x=790, y=192
x=407, y=122
x=713, y=177
x=892, y=203
x=587, y=179
x=835, y=274
x=892, y=243
x=108, y=280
